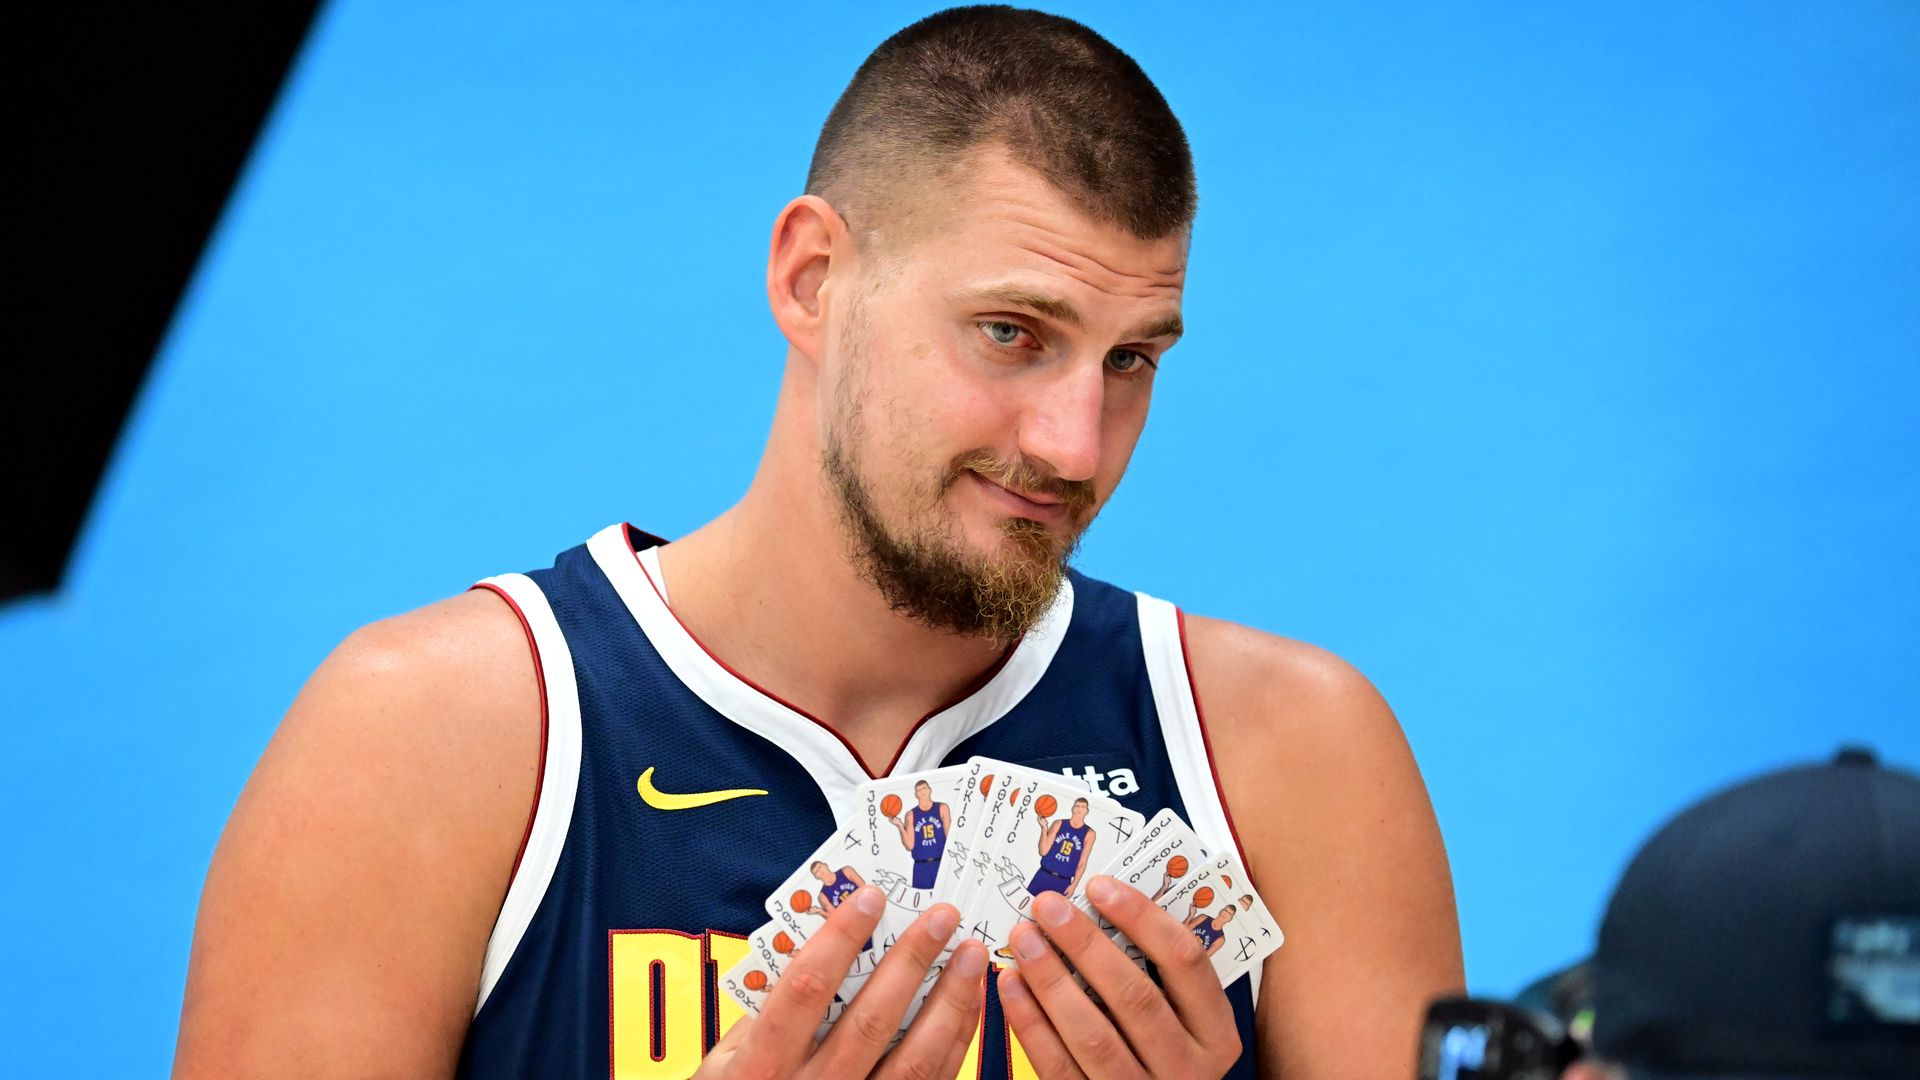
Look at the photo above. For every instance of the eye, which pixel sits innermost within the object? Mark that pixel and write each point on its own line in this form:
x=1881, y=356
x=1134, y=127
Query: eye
x=1129, y=362
x=1002, y=333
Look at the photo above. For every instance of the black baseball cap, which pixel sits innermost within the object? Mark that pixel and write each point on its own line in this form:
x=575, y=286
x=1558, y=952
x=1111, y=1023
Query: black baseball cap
x=1771, y=931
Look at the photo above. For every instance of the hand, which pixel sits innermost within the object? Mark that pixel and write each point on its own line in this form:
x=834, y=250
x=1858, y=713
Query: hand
x=780, y=1041
x=1186, y=1031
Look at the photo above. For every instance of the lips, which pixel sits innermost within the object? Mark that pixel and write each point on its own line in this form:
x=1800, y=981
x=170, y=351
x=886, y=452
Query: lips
x=1042, y=507
x=1037, y=500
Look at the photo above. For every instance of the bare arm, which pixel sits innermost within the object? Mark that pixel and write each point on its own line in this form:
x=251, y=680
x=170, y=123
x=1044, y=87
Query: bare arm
x=1342, y=843
x=345, y=915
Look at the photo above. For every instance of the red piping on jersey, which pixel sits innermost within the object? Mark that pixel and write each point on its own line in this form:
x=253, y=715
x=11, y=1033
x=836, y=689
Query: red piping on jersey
x=540, y=774
x=972, y=688
x=1186, y=657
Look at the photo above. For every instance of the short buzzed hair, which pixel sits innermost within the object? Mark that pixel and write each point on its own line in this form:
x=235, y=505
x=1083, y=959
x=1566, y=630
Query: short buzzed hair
x=1061, y=99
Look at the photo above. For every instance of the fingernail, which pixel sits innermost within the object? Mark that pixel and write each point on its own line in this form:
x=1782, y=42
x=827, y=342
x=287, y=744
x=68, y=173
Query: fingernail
x=969, y=963
x=1051, y=909
x=868, y=901
x=1028, y=944
x=941, y=922
x=1103, y=890
x=1011, y=986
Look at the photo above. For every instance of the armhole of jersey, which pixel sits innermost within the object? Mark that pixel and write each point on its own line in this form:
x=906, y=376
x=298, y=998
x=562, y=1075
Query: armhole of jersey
x=559, y=773
x=1163, y=639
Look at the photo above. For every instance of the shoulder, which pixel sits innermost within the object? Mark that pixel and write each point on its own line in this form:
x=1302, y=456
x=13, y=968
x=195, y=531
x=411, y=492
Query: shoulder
x=431, y=716
x=1342, y=842
x=438, y=697
x=469, y=651
x=1307, y=750
x=1266, y=688
x=381, y=825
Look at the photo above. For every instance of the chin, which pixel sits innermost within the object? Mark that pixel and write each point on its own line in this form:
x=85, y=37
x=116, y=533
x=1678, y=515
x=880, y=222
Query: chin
x=1019, y=540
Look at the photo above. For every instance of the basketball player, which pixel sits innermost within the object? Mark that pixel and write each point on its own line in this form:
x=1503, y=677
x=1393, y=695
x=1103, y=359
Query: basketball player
x=836, y=886
x=1211, y=931
x=1063, y=853
x=923, y=831
x=483, y=824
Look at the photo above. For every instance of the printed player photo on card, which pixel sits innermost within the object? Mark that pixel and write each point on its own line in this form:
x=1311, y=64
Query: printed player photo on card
x=1164, y=854
x=1217, y=904
x=1044, y=834
x=907, y=823
x=823, y=882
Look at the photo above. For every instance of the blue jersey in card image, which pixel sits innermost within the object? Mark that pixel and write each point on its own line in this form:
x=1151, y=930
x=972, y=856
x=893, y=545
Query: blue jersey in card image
x=1210, y=929
x=926, y=838
x=1063, y=852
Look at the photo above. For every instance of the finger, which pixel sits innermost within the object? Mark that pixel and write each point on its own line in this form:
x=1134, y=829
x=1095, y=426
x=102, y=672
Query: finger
x=938, y=1037
x=1187, y=976
x=1088, y=1033
x=1138, y=1006
x=867, y=1028
x=799, y=999
x=1042, y=1044
x=730, y=1042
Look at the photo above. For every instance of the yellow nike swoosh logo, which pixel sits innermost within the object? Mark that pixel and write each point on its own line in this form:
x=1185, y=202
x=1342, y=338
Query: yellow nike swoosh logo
x=661, y=800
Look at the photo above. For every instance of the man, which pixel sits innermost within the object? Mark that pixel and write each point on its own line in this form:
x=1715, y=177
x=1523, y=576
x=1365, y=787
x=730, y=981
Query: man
x=1064, y=847
x=1211, y=930
x=1772, y=929
x=978, y=289
x=835, y=887
x=923, y=832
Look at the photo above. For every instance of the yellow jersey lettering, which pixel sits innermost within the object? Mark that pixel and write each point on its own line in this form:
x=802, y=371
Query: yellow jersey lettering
x=668, y=1011
x=657, y=982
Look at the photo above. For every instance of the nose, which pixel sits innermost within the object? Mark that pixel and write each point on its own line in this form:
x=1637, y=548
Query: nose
x=1061, y=425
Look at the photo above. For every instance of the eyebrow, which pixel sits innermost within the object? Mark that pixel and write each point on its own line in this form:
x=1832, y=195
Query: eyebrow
x=1055, y=308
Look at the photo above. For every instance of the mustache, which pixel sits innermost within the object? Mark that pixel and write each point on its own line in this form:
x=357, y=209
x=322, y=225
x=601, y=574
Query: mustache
x=1023, y=475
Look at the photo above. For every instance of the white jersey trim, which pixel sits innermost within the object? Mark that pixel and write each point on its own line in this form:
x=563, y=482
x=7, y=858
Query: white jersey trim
x=559, y=778
x=1166, y=657
x=830, y=761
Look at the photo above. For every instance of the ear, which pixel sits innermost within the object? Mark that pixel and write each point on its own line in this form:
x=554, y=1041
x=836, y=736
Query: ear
x=807, y=236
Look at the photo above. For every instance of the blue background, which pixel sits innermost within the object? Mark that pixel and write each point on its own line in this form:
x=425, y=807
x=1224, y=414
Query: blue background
x=1556, y=364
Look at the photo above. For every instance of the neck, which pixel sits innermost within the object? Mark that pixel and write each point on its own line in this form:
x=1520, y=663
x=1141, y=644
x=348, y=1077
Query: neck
x=769, y=586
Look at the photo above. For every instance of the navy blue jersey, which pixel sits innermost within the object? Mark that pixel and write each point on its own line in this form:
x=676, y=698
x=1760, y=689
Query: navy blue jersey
x=929, y=834
x=1061, y=859
x=675, y=795
x=929, y=843
x=1208, y=933
x=838, y=889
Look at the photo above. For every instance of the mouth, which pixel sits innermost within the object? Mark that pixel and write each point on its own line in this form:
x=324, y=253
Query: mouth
x=1042, y=508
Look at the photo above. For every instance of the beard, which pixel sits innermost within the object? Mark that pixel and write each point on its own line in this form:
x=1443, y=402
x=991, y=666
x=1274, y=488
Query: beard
x=921, y=567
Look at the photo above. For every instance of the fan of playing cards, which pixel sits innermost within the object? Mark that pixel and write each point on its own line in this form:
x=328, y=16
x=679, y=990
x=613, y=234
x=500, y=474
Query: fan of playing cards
x=987, y=837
